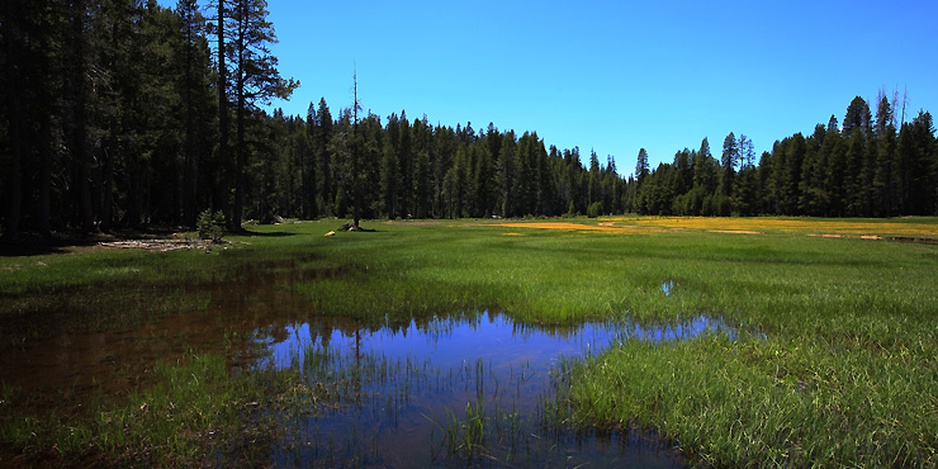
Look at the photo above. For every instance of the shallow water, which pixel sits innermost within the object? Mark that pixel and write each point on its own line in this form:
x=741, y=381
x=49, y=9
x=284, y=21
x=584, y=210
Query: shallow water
x=411, y=395
x=684, y=330
x=415, y=395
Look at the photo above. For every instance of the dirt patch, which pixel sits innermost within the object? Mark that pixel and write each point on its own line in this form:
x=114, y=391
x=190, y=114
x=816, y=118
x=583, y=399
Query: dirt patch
x=162, y=245
x=415, y=223
x=742, y=232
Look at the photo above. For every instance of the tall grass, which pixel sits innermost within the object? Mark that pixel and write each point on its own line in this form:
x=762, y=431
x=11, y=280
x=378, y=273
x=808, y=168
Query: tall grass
x=767, y=402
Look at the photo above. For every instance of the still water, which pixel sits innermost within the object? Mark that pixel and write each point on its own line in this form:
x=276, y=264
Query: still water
x=475, y=390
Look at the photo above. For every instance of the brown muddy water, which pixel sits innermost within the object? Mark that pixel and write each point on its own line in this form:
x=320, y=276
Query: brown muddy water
x=472, y=390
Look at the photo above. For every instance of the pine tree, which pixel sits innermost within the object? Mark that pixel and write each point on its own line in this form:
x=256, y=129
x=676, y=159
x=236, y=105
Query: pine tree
x=390, y=176
x=506, y=175
x=255, y=79
x=320, y=133
x=594, y=187
x=641, y=166
x=853, y=173
x=857, y=117
x=885, y=183
x=728, y=163
x=789, y=174
x=194, y=102
x=919, y=165
x=747, y=153
x=31, y=64
x=421, y=188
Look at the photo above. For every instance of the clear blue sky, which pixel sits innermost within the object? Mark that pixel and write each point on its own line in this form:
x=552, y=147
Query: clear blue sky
x=613, y=76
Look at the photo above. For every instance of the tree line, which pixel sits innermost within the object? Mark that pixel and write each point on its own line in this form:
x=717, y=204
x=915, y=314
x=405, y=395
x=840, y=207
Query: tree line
x=863, y=168
x=123, y=113
x=325, y=166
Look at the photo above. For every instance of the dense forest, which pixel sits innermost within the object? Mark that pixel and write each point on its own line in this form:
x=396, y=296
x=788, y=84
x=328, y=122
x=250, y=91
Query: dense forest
x=123, y=113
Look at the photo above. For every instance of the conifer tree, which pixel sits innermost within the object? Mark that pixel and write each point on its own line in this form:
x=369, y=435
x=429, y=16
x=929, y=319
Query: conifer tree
x=194, y=103
x=728, y=163
x=255, y=79
x=641, y=166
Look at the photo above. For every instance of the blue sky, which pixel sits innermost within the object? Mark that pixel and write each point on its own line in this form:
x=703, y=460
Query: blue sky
x=613, y=76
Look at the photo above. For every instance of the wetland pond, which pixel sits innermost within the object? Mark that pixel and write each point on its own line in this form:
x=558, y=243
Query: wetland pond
x=470, y=390
x=476, y=389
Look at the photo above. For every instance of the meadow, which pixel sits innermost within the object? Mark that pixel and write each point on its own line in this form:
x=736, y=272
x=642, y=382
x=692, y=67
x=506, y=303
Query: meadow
x=834, y=361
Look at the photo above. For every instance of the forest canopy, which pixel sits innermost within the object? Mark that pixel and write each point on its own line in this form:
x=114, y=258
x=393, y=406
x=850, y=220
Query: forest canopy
x=123, y=113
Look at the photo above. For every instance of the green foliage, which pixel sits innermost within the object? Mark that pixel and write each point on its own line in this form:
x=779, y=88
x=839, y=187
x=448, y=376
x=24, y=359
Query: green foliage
x=211, y=225
x=858, y=171
x=594, y=210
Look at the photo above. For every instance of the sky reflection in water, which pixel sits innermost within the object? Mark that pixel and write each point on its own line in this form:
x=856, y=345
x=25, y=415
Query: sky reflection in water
x=412, y=390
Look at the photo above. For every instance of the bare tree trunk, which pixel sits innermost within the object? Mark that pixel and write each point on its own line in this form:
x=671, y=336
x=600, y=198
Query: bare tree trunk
x=80, y=153
x=356, y=157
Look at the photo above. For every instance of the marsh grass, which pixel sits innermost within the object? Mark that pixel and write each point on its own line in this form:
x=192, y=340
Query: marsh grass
x=842, y=371
x=195, y=414
x=847, y=335
x=731, y=403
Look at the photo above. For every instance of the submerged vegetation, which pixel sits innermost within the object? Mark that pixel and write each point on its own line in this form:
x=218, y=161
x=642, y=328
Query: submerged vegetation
x=821, y=350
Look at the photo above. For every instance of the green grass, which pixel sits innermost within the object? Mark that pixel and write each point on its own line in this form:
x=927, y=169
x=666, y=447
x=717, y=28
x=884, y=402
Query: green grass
x=196, y=414
x=842, y=371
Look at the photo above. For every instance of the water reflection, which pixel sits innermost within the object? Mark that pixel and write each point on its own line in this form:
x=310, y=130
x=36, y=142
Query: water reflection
x=685, y=330
x=448, y=341
x=470, y=390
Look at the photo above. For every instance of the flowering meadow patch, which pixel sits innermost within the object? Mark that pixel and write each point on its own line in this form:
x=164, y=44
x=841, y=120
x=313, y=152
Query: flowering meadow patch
x=926, y=228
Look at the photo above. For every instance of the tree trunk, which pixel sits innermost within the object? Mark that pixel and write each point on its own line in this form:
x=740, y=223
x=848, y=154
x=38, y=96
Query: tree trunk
x=45, y=170
x=223, y=107
x=238, y=212
x=15, y=200
x=110, y=153
x=79, y=141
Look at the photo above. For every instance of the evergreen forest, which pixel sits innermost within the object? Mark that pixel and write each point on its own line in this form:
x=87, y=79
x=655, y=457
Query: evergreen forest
x=126, y=114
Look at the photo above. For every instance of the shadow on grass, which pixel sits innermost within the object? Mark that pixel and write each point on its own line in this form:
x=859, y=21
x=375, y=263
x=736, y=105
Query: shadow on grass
x=27, y=250
x=258, y=234
x=30, y=244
